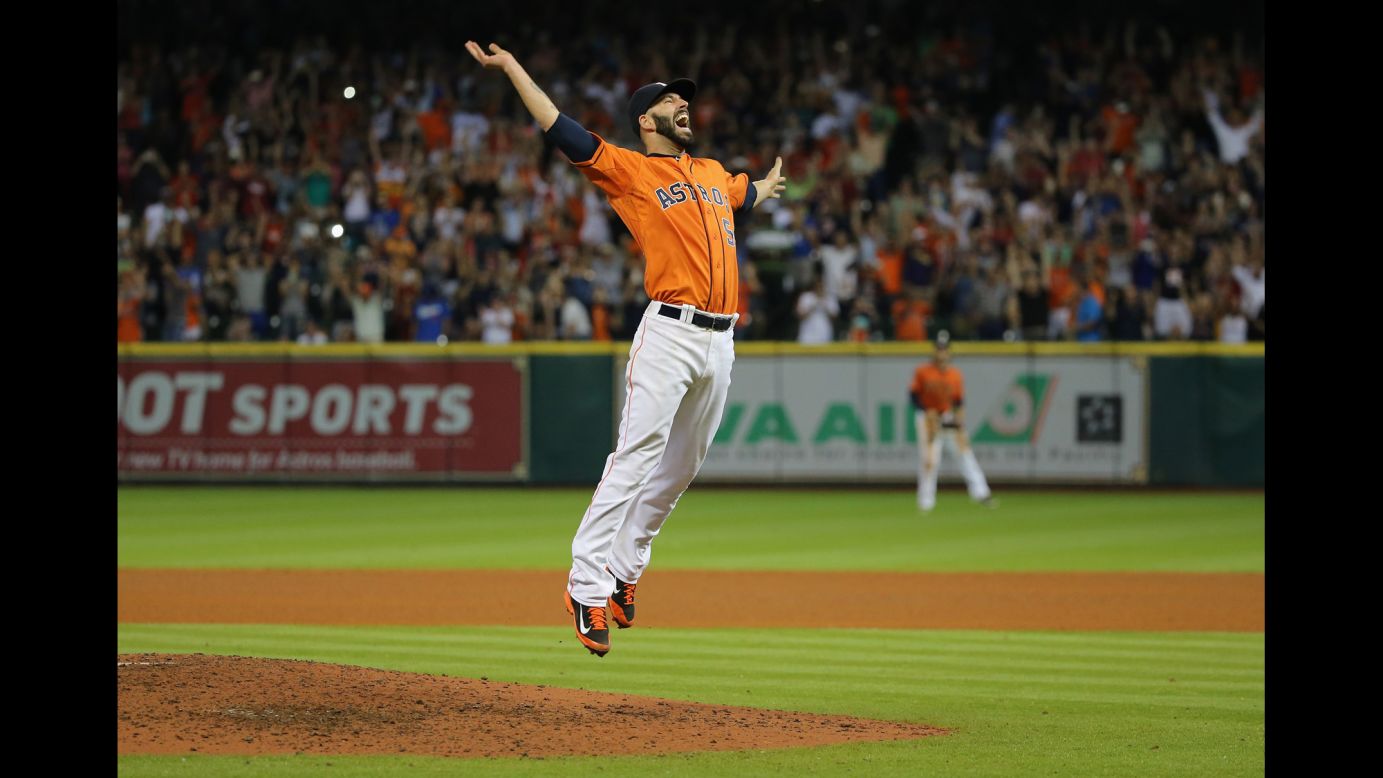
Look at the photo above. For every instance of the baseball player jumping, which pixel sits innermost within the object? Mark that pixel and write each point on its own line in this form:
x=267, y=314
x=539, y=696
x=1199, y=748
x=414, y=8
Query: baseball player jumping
x=937, y=393
x=681, y=210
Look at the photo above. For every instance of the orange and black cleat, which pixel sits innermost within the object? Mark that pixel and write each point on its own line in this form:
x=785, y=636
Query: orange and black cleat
x=591, y=627
x=622, y=602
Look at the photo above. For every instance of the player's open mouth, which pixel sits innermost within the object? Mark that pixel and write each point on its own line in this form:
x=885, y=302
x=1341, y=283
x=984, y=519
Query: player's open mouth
x=683, y=120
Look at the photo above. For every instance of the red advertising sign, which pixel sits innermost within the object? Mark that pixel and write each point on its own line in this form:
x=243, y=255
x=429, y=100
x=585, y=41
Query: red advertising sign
x=349, y=418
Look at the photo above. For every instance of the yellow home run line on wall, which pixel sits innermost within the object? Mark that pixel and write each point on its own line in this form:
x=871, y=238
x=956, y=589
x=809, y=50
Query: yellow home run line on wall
x=617, y=348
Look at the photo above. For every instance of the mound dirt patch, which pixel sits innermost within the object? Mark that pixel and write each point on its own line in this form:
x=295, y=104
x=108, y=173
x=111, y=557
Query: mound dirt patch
x=179, y=704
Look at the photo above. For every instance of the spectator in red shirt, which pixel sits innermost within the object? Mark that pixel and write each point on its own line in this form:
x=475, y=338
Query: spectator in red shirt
x=1120, y=125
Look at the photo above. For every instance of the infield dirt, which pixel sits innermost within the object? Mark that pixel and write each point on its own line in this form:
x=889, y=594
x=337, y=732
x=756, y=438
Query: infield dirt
x=1155, y=602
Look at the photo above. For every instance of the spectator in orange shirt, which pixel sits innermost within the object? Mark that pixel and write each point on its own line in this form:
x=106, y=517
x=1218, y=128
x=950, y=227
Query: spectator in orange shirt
x=889, y=260
x=1061, y=294
x=600, y=315
x=910, y=314
x=750, y=300
x=937, y=394
x=399, y=248
x=128, y=329
x=435, y=128
x=1095, y=285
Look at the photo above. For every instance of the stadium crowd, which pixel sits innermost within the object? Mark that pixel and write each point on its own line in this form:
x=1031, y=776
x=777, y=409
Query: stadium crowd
x=1103, y=182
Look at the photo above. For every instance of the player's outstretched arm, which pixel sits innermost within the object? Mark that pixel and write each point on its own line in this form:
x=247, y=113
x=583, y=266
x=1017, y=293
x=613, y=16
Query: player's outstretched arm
x=537, y=103
x=771, y=186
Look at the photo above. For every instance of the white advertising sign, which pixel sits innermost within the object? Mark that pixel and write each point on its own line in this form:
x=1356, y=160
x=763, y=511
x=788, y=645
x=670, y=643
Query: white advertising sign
x=849, y=419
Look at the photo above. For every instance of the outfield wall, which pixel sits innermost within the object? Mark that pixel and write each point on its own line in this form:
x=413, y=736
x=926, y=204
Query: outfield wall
x=1056, y=413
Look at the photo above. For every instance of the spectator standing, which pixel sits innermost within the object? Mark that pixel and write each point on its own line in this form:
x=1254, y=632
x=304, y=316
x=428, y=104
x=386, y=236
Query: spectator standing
x=218, y=298
x=447, y=218
x=367, y=308
x=991, y=294
x=1172, y=316
x=293, y=289
x=750, y=307
x=864, y=321
x=1203, y=318
x=128, y=311
x=431, y=314
x=1032, y=307
x=816, y=313
x=356, y=209
x=1127, y=318
x=158, y=217
x=910, y=312
x=1232, y=327
x=1252, y=286
x=839, y=263
x=1232, y=136
x=1089, y=315
x=250, y=279
x=600, y=316
x=312, y=335
x=497, y=322
x=337, y=308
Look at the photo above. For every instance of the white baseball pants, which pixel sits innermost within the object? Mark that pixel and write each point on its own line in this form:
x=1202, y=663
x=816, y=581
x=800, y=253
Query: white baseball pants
x=676, y=382
x=926, y=477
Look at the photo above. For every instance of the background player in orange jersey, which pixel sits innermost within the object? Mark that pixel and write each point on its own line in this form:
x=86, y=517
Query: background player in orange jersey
x=681, y=210
x=938, y=394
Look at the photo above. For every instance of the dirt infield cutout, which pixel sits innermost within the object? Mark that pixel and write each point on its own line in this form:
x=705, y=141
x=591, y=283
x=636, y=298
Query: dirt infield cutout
x=204, y=704
x=1153, y=602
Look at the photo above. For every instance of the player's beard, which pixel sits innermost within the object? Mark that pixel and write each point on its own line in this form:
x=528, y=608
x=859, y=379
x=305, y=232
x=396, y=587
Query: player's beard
x=682, y=136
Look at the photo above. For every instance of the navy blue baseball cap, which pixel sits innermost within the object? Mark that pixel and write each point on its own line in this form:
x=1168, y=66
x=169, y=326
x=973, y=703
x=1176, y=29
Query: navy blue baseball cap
x=645, y=95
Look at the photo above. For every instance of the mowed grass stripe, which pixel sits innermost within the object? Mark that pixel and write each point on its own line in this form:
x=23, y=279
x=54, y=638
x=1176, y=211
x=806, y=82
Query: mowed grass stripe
x=1023, y=649
x=1232, y=651
x=953, y=756
x=845, y=667
x=480, y=528
x=653, y=661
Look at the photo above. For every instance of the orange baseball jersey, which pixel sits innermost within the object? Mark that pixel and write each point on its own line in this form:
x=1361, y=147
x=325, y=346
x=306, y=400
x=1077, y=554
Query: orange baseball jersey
x=937, y=389
x=681, y=211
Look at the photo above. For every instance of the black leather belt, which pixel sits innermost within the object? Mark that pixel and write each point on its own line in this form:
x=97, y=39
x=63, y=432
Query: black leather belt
x=703, y=320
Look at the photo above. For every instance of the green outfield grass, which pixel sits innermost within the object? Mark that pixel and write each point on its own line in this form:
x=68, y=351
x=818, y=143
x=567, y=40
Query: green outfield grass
x=1021, y=703
x=1024, y=703
x=722, y=529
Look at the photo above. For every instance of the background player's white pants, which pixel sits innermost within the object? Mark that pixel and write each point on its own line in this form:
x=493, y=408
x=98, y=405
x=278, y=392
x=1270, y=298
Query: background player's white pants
x=676, y=383
x=926, y=478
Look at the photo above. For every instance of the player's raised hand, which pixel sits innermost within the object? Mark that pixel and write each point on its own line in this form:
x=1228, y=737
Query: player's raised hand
x=533, y=98
x=497, y=59
x=771, y=186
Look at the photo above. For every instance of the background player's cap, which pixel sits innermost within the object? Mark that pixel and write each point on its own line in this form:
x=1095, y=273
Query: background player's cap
x=645, y=95
x=943, y=339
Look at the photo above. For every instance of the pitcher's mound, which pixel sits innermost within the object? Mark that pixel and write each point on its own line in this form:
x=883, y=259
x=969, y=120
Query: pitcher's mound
x=180, y=703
